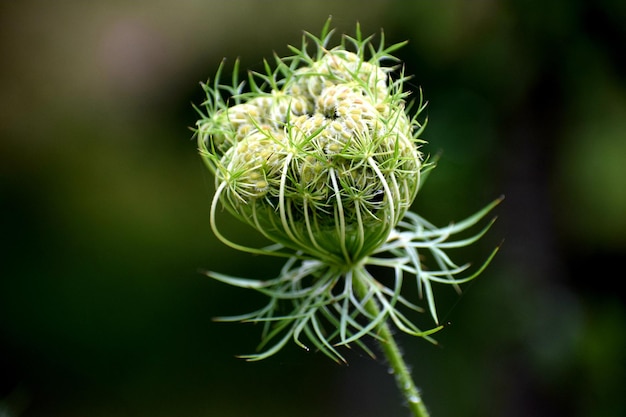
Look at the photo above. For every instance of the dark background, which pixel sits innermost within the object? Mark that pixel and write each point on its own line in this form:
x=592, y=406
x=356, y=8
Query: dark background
x=104, y=211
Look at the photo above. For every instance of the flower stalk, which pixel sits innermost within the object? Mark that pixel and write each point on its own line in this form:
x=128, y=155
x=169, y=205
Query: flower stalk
x=321, y=154
x=392, y=352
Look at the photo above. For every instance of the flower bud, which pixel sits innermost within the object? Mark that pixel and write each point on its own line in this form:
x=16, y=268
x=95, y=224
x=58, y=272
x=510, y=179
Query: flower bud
x=327, y=164
x=321, y=157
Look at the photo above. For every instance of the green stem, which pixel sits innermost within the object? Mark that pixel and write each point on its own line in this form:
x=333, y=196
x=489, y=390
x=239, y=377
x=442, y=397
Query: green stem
x=390, y=348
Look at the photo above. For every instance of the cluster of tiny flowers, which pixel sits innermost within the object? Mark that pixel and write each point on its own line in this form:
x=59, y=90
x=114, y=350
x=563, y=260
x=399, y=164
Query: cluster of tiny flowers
x=326, y=162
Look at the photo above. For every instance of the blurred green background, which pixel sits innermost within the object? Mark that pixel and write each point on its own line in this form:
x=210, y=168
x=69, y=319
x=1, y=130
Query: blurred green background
x=104, y=211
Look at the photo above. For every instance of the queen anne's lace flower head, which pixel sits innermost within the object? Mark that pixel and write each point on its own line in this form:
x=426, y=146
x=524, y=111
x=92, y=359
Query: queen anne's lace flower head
x=320, y=155
x=326, y=161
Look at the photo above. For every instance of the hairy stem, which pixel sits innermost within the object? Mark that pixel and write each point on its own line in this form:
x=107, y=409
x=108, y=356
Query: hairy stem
x=390, y=348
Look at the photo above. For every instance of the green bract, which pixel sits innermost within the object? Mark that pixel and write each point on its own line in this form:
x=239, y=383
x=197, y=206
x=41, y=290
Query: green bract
x=320, y=154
